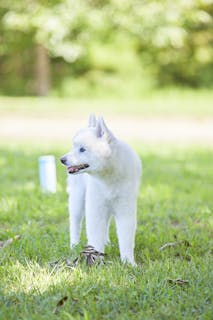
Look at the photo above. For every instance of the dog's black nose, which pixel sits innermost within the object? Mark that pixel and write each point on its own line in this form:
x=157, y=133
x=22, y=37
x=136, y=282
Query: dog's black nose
x=63, y=160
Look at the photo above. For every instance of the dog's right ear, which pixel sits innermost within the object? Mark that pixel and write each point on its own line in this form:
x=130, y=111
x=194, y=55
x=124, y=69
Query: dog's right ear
x=92, y=121
x=103, y=131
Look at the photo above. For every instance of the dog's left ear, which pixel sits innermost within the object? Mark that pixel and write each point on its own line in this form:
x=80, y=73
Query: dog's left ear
x=103, y=131
x=92, y=121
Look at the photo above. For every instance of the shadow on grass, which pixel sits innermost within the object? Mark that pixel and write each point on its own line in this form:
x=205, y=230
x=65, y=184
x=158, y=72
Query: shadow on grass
x=175, y=202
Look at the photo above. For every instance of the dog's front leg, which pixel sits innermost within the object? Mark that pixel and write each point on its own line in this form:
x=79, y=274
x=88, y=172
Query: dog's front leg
x=97, y=223
x=125, y=218
x=77, y=190
x=76, y=213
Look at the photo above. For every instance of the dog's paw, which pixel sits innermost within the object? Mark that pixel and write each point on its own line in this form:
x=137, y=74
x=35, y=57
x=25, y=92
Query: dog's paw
x=91, y=256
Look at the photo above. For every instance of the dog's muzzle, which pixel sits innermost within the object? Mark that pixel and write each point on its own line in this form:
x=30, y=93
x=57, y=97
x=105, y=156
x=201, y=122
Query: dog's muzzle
x=73, y=169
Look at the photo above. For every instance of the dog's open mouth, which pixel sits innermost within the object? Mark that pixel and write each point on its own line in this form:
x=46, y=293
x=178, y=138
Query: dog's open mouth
x=75, y=169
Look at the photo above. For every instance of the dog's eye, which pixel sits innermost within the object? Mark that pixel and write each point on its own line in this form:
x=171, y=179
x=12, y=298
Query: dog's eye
x=82, y=149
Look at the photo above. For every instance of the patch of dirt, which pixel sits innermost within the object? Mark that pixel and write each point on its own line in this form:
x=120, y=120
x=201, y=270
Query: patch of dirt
x=152, y=130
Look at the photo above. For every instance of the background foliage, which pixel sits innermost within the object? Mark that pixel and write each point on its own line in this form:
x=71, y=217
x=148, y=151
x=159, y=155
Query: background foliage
x=100, y=46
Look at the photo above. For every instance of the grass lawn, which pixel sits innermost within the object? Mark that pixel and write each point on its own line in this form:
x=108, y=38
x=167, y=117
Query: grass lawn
x=175, y=203
x=168, y=102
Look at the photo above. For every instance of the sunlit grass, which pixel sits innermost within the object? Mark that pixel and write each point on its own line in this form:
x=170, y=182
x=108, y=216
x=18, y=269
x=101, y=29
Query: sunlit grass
x=175, y=203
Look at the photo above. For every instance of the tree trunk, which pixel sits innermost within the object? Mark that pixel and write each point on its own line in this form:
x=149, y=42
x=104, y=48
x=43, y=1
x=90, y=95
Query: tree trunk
x=42, y=71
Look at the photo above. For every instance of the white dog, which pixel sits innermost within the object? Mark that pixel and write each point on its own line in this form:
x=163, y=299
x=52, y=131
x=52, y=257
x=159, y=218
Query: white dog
x=103, y=181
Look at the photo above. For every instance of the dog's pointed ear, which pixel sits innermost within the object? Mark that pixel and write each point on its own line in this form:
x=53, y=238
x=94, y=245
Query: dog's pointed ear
x=92, y=120
x=103, y=131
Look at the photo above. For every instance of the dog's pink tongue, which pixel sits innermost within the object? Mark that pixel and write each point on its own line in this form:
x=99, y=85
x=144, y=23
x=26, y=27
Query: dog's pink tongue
x=73, y=169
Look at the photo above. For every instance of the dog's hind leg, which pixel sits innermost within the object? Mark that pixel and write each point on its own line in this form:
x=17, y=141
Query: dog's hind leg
x=125, y=218
x=76, y=190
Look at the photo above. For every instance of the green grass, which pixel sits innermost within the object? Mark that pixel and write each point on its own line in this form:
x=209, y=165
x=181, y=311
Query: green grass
x=175, y=202
x=168, y=102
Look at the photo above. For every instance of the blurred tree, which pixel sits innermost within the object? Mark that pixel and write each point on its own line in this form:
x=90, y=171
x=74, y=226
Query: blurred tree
x=42, y=71
x=55, y=30
x=173, y=40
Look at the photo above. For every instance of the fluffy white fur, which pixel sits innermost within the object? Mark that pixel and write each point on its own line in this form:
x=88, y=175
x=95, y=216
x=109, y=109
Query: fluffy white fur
x=107, y=187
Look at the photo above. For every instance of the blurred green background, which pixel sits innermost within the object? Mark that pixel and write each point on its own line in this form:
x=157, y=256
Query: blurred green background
x=104, y=48
x=147, y=67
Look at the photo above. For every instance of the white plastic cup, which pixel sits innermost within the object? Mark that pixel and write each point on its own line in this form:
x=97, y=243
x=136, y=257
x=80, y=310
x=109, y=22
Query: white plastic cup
x=47, y=173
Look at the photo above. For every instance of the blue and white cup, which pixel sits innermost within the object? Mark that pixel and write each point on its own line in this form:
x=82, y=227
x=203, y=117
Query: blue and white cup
x=47, y=173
